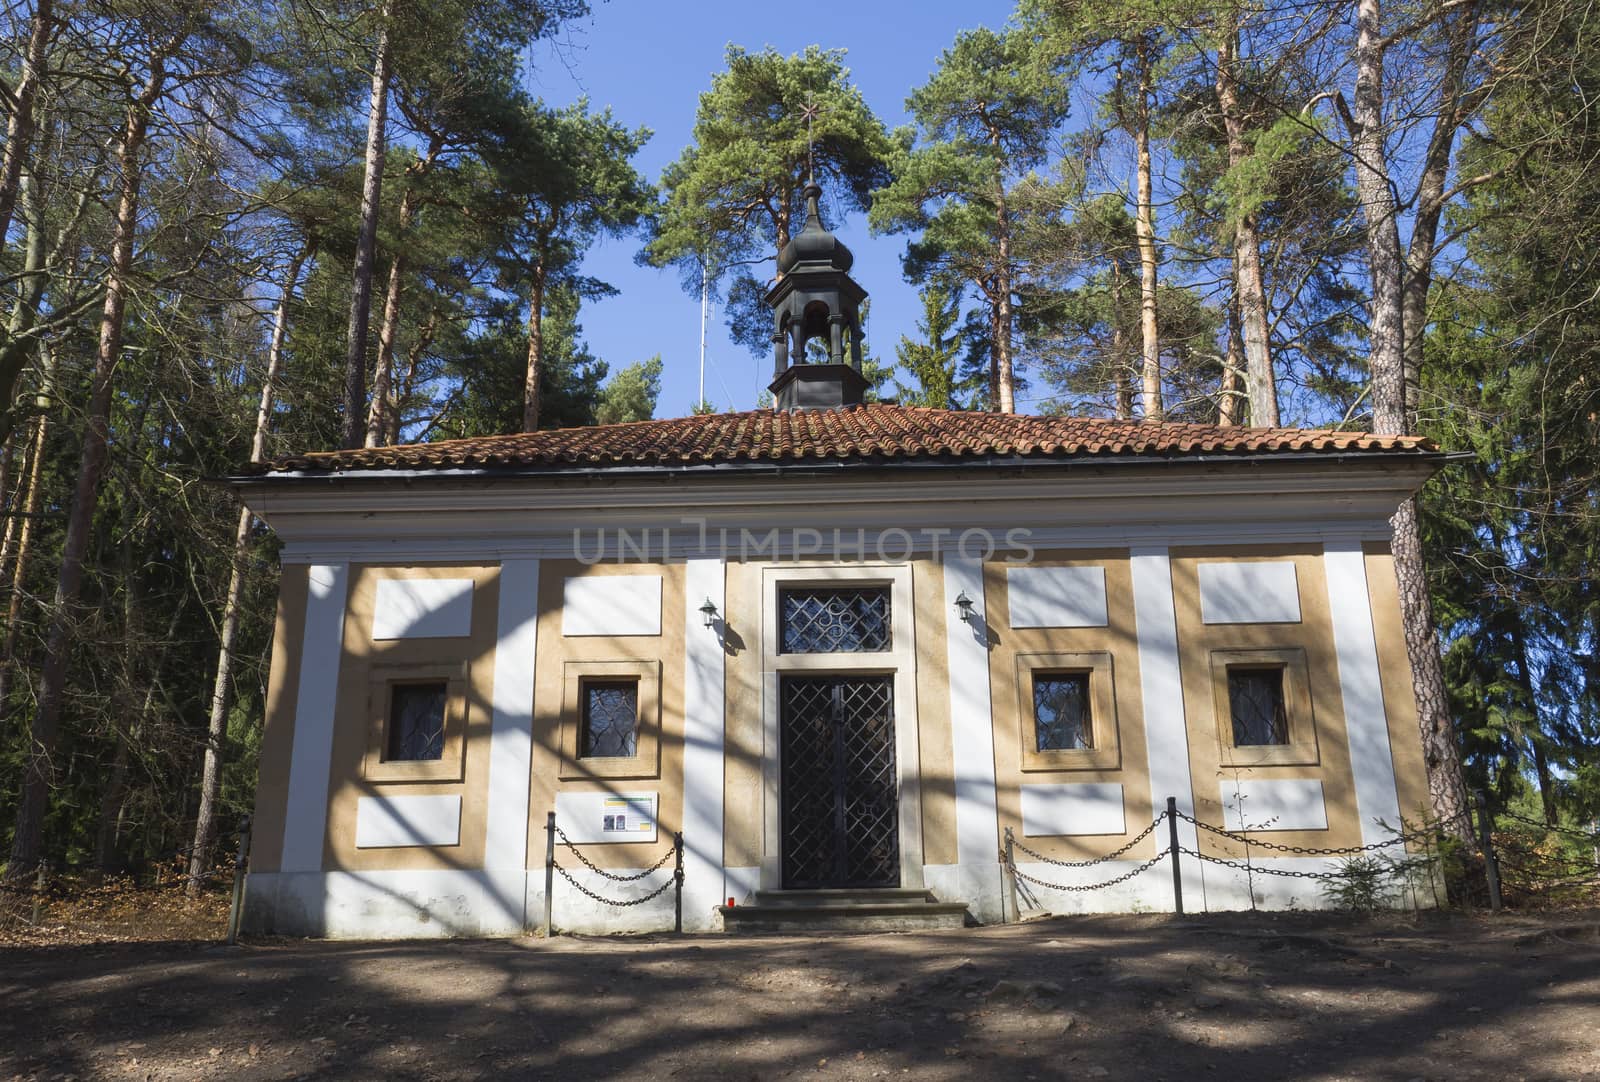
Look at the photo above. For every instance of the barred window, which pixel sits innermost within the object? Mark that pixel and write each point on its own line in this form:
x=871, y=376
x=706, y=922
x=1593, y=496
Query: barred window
x=416, y=721
x=1061, y=719
x=834, y=621
x=610, y=719
x=1256, y=698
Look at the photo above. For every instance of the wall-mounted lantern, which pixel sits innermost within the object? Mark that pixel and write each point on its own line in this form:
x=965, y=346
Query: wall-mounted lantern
x=708, y=612
x=964, y=606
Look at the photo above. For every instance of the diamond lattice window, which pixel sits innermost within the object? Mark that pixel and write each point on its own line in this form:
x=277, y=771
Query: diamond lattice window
x=1257, y=702
x=834, y=621
x=1061, y=711
x=610, y=719
x=416, y=721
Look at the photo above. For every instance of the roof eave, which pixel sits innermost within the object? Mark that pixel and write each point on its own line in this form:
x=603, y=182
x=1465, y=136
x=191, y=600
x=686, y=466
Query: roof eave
x=1430, y=461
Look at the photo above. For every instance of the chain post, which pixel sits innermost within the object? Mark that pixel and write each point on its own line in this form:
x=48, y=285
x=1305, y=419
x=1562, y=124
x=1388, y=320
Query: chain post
x=1491, y=867
x=236, y=906
x=1008, y=901
x=1172, y=842
x=38, y=893
x=549, y=870
x=677, y=876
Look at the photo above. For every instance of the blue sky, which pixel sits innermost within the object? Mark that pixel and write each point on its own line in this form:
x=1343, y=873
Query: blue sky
x=650, y=62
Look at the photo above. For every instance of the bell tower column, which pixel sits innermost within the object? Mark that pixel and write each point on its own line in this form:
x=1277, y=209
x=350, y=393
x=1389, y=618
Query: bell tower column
x=780, y=344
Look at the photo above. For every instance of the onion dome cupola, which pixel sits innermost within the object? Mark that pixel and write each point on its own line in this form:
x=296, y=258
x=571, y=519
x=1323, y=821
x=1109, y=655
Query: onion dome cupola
x=814, y=298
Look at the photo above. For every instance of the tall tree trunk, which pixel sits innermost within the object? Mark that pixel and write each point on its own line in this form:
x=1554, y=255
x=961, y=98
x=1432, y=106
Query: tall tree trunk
x=1145, y=230
x=383, y=402
x=25, y=312
x=535, y=371
x=1123, y=375
x=1229, y=399
x=1461, y=37
x=381, y=405
x=1005, y=382
x=1250, y=290
x=205, y=824
x=785, y=215
x=23, y=316
x=31, y=501
x=407, y=384
x=39, y=773
x=1386, y=346
x=9, y=500
x=355, y=358
x=994, y=346
x=20, y=127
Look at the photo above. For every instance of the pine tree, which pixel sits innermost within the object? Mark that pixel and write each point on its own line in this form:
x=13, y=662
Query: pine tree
x=729, y=200
x=933, y=361
x=985, y=121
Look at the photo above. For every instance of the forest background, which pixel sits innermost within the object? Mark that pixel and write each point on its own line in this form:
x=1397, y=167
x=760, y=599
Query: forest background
x=230, y=231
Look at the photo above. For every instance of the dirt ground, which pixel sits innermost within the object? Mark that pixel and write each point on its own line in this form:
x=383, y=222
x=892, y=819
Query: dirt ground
x=1237, y=997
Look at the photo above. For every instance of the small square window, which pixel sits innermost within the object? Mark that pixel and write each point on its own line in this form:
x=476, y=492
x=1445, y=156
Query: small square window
x=1256, y=701
x=1061, y=712
x=1067, y=712
x=416, y=722
x=610, y=719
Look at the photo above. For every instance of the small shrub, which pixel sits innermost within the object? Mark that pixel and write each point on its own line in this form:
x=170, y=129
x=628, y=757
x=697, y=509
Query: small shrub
x=1363, y=885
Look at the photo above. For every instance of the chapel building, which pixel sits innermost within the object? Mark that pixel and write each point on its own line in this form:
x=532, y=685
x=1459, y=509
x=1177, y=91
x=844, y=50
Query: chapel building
x=841, y=647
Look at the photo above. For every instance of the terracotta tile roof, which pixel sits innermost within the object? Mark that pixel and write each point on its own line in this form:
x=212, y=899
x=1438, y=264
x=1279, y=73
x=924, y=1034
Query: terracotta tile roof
x=873, y=433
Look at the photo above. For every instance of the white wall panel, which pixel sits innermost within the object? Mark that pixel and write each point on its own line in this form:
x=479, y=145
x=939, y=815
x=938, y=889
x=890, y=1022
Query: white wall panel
x=1264, y=592
x=1258, y=804
x=422, y=609
x=1166, y=731
x=971, y=716
x=1056, y=596
x=305, y=820
x=387, y=822
x=611, y=605
x=505, y=844
x=705, y=660
x=1072, y=808
x=1366, y=719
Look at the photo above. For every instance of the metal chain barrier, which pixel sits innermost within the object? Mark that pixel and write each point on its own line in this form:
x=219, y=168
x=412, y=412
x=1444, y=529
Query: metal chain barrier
x=673, y=882
x=1258, y=869
x=1425, y=834
x=612, y=901
x=613, y=876
x=1146, y=866
x=1592, y=837
x=1041, y=858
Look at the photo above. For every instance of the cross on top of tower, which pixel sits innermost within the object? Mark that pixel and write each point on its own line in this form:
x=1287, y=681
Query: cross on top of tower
x=808, y=113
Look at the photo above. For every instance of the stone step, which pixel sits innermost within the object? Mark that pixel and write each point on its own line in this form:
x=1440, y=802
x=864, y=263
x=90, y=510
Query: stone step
x=842, y=896
x=844, y=911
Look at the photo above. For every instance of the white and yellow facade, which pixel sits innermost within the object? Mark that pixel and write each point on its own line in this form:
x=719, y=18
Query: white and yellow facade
x=511, y=588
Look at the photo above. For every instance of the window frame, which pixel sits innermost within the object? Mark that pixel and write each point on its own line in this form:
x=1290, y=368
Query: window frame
x=645, y=762
x=382, y=680
x=1301, y=748
x=886, y=589
x=1105, y=752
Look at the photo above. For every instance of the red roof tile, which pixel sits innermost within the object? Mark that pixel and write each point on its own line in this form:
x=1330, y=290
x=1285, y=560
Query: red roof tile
x=874, y=433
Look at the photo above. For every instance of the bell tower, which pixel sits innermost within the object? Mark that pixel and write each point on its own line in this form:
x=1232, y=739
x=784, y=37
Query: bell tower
x=814, y=298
